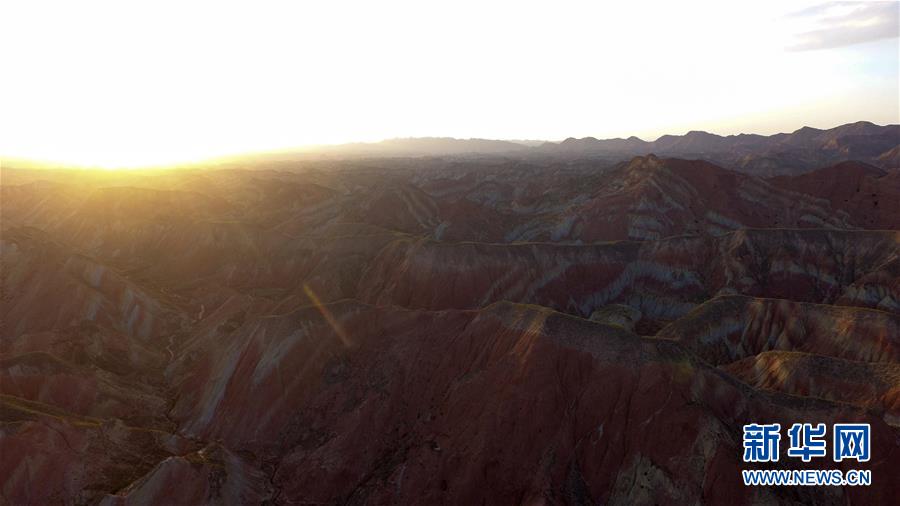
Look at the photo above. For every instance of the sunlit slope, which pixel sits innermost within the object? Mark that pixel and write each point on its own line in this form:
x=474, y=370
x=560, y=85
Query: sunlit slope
x=346, y=331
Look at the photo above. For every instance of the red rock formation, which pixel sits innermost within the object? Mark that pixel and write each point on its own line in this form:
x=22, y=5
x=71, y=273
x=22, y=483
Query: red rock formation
x=340, y=332
x=52, y=457
x=869, y=195
x=661, y=278
x=47, y=287
x=506, y=404
x=865, y=384
x=732, y=328
x=211, y=475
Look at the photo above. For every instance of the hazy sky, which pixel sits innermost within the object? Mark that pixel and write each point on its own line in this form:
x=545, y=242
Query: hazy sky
x=130, y=83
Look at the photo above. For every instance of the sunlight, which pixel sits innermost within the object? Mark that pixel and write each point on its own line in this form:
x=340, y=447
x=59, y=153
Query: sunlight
x=136, y=86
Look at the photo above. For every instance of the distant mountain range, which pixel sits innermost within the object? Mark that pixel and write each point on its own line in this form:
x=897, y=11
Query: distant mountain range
x=799, y=151
x=423, y=146
x=794, y=153
x=786, y=153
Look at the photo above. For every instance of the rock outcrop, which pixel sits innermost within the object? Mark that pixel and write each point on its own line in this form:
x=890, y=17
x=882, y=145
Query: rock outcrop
x=455, y=331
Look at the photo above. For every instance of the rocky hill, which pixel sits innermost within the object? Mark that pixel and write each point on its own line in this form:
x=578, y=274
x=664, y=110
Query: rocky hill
x=445, y=330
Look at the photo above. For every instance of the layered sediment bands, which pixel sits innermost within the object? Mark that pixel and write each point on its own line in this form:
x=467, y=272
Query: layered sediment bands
x=651, y=198
x=248, y=258
x=865, y=384
x=645, y=198
x=850, y=267
x=54, y=457
x=731, y=328
x=127, y=222
x=84, y=390
x=573, y=279
x=663, y=279
x=37, y=203
x=348, y=332
x=866, y=193
x=46, y=287
x=114, y=209
x=212, y=475
x=507, y=404
x=401, y=207
x=880, y=288
x=86, y=341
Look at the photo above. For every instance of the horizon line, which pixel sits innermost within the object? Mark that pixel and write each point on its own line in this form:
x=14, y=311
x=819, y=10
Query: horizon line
x=320, y=148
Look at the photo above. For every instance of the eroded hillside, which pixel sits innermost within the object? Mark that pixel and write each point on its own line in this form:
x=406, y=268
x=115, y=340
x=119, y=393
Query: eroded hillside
x=432, y=331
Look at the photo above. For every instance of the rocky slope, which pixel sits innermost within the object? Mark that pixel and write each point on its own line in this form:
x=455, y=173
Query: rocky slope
x=782, y=154
x=449, y=330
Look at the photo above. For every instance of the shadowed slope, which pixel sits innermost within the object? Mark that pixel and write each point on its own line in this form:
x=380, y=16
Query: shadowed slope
x=574, y=410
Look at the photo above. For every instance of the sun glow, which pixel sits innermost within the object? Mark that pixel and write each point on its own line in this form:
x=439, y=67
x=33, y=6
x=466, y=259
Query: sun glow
x=113, y=84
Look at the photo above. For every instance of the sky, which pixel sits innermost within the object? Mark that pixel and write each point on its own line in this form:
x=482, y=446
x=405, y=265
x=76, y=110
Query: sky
x=123, y=83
